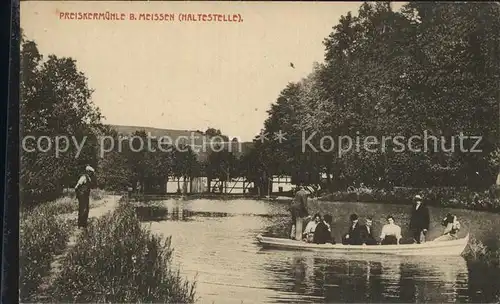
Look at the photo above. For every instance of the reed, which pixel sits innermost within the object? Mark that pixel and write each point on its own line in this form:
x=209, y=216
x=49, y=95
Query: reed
x=118, y=260
x=478, y=252
x=42, y=235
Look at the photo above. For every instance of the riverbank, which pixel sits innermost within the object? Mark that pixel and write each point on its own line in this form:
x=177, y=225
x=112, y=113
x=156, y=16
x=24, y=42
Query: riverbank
x=46, y=231
x=439, y=197
x=461, y=198
x=192, y=196
x=114, y=259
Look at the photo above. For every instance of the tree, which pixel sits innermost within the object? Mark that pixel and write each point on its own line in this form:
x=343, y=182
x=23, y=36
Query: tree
x=221, y=164
x=211, y=132
x=55, y=101
x=149, y=168
x=114, y=173
x=185, y=164
x=429, y=68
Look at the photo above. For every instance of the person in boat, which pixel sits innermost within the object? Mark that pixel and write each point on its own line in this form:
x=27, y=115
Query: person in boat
x=452, y=226
x=419, y=220
x=323, y=231
x=391, y=233
x=367, y=237
x=353, y=236
x=299, y=212
x=308, y=235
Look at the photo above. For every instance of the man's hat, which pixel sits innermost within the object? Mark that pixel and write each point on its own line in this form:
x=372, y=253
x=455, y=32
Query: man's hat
x=417, y=197
x=354, y=217
x=89, y=168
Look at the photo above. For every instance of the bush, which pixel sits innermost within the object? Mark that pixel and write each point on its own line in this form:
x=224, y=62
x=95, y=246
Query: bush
x=117, y=260
x=42, y=235
x=438, y=196
x=484, y=266
x=95, y=194
x=68, y=203
x=477, y=252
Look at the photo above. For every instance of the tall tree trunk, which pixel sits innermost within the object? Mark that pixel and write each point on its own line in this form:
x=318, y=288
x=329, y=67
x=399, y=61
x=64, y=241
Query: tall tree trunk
x=184, y=185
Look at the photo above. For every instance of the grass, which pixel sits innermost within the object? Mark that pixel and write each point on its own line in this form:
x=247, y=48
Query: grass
x=95, y=194
x=69, y=203
x=118, y=260
x=42, y=236
x=484, y=271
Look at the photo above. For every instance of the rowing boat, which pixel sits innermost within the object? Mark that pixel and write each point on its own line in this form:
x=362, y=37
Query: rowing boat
x=431, y=248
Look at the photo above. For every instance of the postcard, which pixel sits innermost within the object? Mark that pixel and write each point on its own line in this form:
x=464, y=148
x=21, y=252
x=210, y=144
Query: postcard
x=259, y=152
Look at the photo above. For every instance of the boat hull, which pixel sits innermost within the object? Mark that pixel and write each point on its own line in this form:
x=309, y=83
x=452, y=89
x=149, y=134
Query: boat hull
x=443, y=248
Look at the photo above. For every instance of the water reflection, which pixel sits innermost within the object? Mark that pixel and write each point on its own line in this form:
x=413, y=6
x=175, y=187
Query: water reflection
x=151, y=213
x=215, y=241
x=370, y=279
x=178, y=213
x=484, y=283
x=161, y=213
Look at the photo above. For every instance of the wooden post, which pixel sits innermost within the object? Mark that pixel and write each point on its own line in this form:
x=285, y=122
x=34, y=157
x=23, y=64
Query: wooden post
x=269, y=187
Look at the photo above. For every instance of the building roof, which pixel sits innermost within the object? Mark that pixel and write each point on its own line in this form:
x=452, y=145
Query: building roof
x=199, y=142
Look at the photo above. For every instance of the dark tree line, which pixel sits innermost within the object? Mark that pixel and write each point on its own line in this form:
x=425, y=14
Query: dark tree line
x=432, y=67
x=55, y=100
x=150, y=170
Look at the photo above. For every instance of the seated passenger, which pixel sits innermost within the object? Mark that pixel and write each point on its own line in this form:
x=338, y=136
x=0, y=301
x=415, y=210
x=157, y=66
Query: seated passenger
x=308, y=233
x=452, y=226
x=323, y=231
x=391, y=233
x=366, y=231
x=353, y=237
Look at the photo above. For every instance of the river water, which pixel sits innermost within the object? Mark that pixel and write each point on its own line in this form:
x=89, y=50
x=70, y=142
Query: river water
x=214, y=243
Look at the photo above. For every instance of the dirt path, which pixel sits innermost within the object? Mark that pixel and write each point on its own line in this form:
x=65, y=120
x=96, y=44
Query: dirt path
x=105, y=205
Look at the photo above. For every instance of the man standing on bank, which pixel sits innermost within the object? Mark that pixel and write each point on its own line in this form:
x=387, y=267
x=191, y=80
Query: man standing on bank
x=299, y=213
x=419, y=221
x=82, y=190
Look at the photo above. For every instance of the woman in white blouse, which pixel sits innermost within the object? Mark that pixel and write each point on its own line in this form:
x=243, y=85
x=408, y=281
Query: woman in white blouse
x=308, y=234
x=391, y=233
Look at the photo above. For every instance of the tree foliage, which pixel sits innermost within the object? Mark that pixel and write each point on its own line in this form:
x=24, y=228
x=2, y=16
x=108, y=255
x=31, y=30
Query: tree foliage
x=212, y=132
x=433, y=67
x=55, y=101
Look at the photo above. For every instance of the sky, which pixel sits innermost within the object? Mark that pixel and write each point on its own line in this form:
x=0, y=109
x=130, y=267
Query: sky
x=187, y=76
